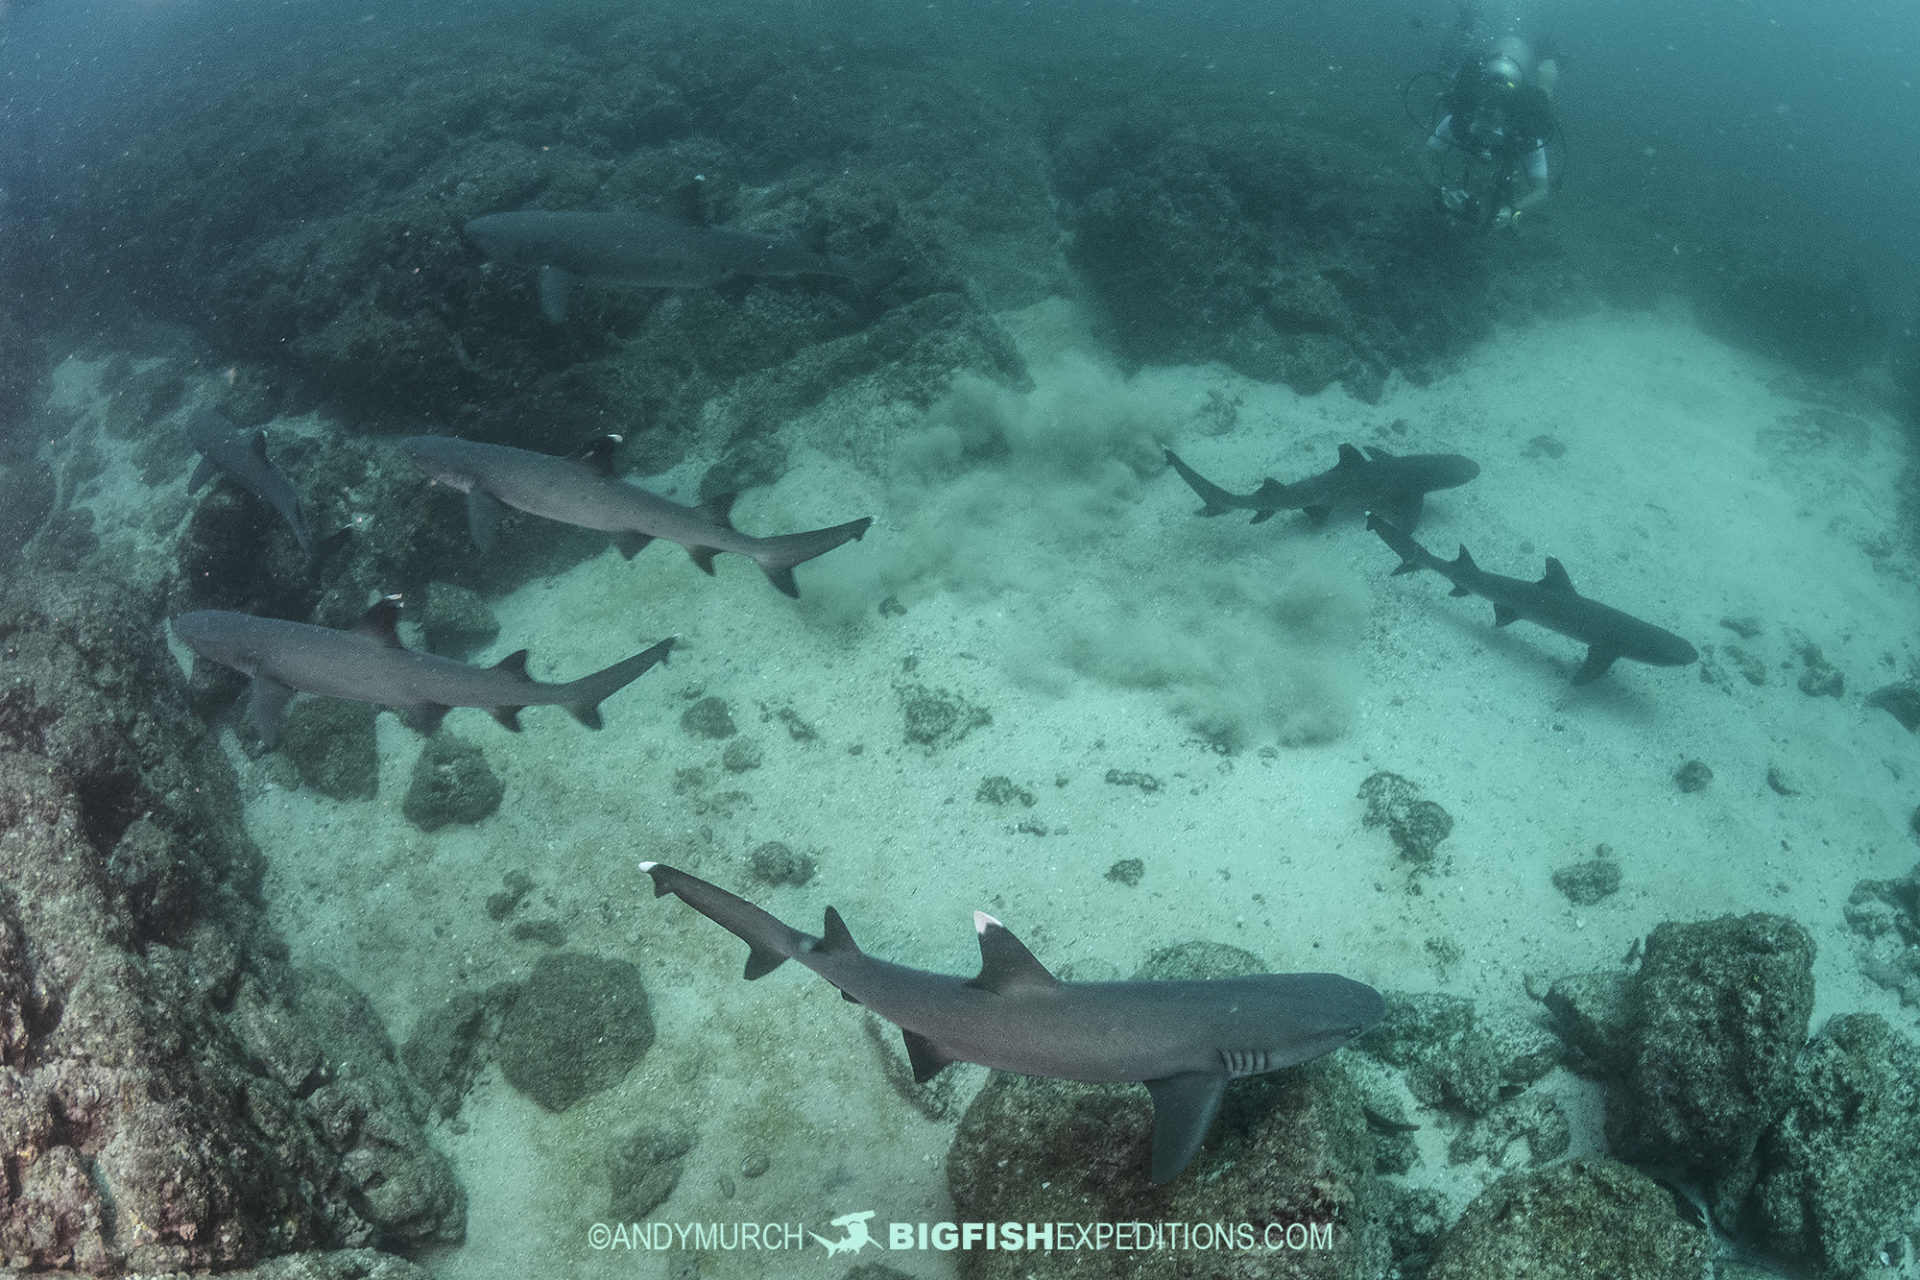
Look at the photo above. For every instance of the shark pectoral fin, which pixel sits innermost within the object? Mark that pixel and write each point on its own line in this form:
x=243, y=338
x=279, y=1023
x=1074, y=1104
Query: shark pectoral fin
x=781, y=576
x=1183, y=1110
x=203, y=471
x=483, y=519
x=703, y=556
x=1502, y=613
x=554, y=284
x=1006, y=966
x=761, y=962
x=630, y=544
x=927, y=1060
x=507, y=717
x=267, y=700
x=1260, y=517
x=1596, y=665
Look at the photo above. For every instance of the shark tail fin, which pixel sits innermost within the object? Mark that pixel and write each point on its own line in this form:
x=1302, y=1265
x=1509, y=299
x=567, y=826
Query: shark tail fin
x=769, y=942
x=1217, y=500
x=778, y=556
x=583, y=696
x=1413, y=556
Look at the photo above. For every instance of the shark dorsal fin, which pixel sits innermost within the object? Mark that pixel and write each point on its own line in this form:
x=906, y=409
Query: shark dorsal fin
x=1006, y=966
x=1556, y=578
x=515, y=665
x=381, y=623
x=1464, y=560
x=719, y=509
x=1350, y=457
x=258, y=443
x=835, y=939
x=597, y=455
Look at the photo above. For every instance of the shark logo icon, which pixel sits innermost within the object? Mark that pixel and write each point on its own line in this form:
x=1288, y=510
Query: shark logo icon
x=857, y=1237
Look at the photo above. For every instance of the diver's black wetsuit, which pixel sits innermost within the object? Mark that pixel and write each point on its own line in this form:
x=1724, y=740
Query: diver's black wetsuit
x=1502, y=133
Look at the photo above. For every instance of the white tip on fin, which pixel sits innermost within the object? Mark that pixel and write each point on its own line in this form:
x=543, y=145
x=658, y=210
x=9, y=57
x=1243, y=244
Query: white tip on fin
x=981, y=922
x=648, y=866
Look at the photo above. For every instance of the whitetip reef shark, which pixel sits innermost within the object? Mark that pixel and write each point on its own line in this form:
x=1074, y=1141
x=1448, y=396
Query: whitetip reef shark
x=584, y=491
x=242, y=457
x=638, y=250
x=1183, y=1039
x=1552, y=603
x=367, y=663
x=1374, y=480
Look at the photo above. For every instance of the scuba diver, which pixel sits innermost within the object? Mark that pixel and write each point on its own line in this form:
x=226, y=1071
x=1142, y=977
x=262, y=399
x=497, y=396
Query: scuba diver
x=1486, y=159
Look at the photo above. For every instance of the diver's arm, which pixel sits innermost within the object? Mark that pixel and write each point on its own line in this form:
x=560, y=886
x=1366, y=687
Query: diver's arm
x=1433, y=156
x=1542, y=184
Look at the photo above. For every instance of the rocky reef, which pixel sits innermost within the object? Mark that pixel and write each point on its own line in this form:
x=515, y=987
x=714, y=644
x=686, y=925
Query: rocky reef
x=173, y=1094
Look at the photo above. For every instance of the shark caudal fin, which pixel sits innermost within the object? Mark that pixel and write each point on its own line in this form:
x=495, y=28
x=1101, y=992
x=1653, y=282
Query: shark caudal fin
x=1413, y=556
x=1218, y=501
x=769, y=942
x=777, y=556
x=583, y=696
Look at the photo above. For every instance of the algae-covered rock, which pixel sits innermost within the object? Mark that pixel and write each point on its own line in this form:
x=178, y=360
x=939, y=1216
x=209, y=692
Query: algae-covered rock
x=709, y=718
x=644, y=1167
x=452, y=1042
x=579, y=1025
x=1837, y=1173
x=1455, y=1056
x=451, y=783
x=1585, y=883
x=1594, y=1013
x=936, y=718
x=1581, y=1220
x=1289, y=1150
x=776, y=863
x=1189, y=961
x=455, y=619
x=1416, y=825
x=1722, y=1008
x=332, y=744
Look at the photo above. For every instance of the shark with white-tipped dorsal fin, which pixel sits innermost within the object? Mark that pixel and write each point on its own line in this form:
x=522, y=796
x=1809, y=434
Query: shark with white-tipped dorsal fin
x=367, y=663
x=1374, y=479
x=584, y=490
x=1608, y=633
x=241, y=456
x=1183, y=1039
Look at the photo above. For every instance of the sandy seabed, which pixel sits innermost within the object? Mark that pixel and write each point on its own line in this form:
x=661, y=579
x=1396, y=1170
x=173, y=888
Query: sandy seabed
x=1032, y=558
